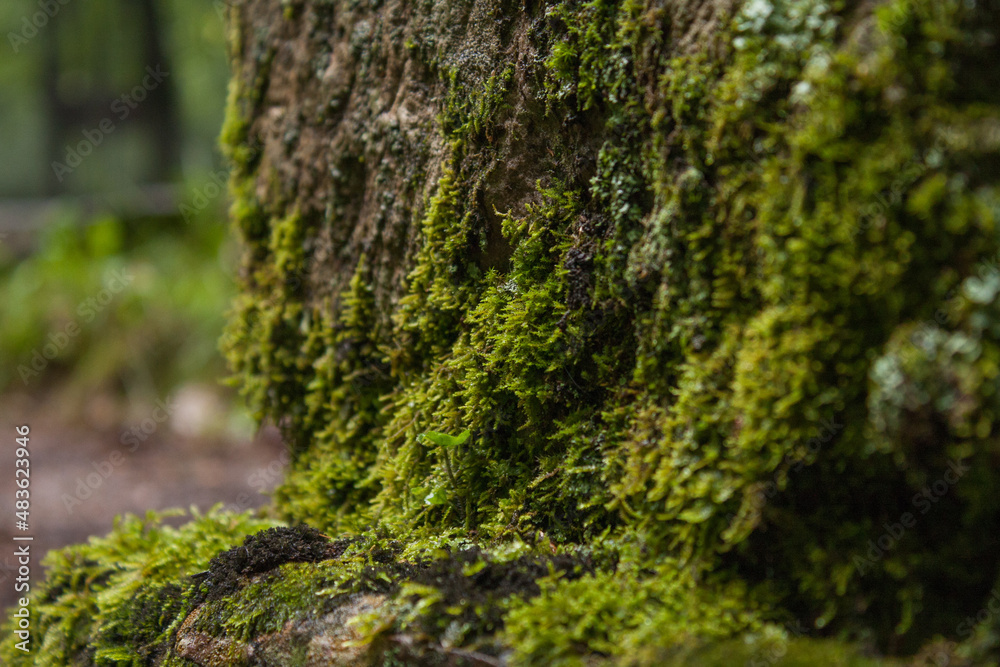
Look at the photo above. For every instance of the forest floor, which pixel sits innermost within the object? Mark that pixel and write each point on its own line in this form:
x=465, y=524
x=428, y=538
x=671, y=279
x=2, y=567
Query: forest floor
x=89, y=465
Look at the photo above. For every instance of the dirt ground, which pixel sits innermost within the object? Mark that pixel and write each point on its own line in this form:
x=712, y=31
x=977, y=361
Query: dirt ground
x=90, y=466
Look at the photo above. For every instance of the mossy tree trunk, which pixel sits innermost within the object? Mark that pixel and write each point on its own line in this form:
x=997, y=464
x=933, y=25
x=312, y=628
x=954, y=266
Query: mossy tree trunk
x=712, y=286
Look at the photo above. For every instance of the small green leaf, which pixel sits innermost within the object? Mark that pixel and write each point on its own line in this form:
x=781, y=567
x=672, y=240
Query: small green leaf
x=697, y=514
x=445, y=440
x=116, y=654
x=473, y=568
x=436, y=497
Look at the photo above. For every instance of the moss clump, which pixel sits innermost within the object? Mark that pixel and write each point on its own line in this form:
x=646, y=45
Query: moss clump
x=263, y=552
x=134, y=597
x=291, y=596
x=120, y=599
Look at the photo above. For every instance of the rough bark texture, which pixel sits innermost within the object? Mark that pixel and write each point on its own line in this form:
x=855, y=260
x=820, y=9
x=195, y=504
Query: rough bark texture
x=712, y=287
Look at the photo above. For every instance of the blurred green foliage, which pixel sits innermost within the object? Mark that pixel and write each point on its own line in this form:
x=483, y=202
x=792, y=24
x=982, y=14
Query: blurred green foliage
x=100, y=58
x=147, y=298
x=64, y=317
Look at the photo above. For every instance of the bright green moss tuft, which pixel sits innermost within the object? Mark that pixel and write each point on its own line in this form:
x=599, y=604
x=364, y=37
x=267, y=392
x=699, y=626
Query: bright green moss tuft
x=119, y=599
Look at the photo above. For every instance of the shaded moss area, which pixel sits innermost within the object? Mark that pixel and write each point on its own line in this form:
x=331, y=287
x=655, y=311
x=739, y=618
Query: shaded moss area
x=119, y=599
x=284, y=596
x=263, y=552
x=289, y=596
x=711, y=285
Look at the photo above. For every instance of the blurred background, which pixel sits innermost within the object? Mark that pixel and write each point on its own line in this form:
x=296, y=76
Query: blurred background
x=116, y=269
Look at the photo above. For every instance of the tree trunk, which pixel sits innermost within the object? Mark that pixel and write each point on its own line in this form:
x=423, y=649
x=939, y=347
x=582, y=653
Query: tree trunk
x=651, y=332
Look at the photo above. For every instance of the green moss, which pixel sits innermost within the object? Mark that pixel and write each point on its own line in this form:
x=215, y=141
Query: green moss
x=265, y=605
x=683, y=341
x=775, y=648
x=147, y=594
x=120, y=599
x=344, y=412
x=613, y=614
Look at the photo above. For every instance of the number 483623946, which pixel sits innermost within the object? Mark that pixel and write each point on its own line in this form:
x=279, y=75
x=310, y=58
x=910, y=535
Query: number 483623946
x=22, y=475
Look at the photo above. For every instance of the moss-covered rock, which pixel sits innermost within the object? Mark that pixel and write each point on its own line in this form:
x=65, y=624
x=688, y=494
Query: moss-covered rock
x=291, y=596
x=712, y=286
